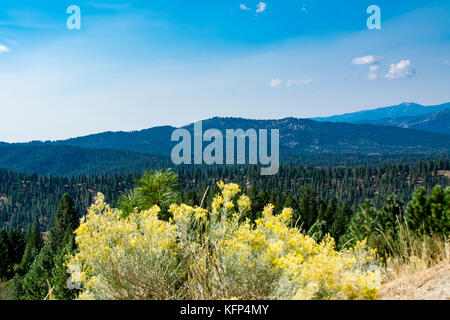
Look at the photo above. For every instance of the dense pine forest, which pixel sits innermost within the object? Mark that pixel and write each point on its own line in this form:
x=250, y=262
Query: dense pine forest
x=391, y=208
x=30, y=199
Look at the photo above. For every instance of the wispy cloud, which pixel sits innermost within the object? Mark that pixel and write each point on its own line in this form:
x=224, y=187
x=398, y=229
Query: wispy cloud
x=297, y=83
x=370, y=59
x=303, y=8
x=401, y=70
x=244, y=7
x=4, y=49
x=261, y=7
x=373, y=73
x=276, y=83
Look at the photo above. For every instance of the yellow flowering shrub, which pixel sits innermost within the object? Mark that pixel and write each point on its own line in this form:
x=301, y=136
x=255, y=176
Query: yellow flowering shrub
x=217, y=254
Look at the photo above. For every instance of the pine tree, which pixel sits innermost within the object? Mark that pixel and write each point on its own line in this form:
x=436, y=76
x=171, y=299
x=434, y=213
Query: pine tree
x=361, y=225
x=416, y=211
x=154, y=188
x=307, y=207
x=429, y=215
x=15, y=289
x=341, y=219
x=35, y=281
x=5, y=261
x=59, y=275
x=32, y=248
x=16, y=247
x=438, y=221
x=47, y=267
x=388, y=219
x=65, y=223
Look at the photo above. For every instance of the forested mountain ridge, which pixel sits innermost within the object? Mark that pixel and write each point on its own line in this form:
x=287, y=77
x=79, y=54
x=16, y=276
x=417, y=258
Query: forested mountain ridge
x=71, y=161
x=297, y=136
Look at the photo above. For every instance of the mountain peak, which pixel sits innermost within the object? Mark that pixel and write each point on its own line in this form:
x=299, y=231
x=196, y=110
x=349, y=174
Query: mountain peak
x=406, y=109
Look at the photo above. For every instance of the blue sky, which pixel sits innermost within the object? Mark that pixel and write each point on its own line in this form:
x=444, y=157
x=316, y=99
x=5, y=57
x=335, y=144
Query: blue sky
x=138, y=64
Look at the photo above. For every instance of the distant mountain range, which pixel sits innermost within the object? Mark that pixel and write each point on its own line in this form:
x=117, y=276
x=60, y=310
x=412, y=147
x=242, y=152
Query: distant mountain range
x=297, y=136
x=406, y=115
x=433, y=122
x=374, y=134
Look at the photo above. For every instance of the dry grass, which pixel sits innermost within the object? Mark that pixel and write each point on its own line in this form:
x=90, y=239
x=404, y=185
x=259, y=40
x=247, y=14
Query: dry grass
x=429, y=284
x=419, y=269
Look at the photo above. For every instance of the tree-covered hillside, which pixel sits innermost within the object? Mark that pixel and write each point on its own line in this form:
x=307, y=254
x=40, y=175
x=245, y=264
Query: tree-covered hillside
x=31, y=199
x=74, y=161
x=297, y=136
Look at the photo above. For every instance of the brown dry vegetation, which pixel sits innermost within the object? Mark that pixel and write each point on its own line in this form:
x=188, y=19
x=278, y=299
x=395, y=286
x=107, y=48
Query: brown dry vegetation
x=430, y=284
x=421, y=273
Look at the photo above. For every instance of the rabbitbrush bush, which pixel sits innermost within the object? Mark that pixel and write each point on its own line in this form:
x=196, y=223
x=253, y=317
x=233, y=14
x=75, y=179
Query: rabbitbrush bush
x=217, y=254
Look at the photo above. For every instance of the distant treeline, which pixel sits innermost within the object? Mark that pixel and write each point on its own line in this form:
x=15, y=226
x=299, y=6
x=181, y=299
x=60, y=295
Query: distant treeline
x=30, y=199
x=73, y=161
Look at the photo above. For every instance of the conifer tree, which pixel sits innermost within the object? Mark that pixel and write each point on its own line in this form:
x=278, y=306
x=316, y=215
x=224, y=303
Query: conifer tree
x=5, y=261
x=35, y=282
x=16, y=246
x=47, y=268
x=417, y=210
x=32, y=248
x=154, y=188
x=361, y=224
x=65, y=222
x=59, y=276
x=341, y=219
x=429, y=215
x=15, y=289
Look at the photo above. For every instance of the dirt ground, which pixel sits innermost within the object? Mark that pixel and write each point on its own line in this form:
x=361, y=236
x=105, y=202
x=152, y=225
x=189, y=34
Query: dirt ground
x=432, y=284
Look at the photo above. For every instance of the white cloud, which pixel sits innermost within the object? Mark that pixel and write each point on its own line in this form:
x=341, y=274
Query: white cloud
x=261, y=7
x=373, y=73
x=4, y=49
x=276, y=83
x=401, y=70
x=303, y=8
x=244, y=7
x=366, y=60
x=297, y=83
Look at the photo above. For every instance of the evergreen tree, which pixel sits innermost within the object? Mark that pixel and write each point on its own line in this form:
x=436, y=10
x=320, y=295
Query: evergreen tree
x=46, y=271
x=5, y=261
x=417, y=210
x=59, y=275
x=389, y=217
x=16, y=247
x=438, y=221
x=362, y=224
x=429, y=215
x=307, y=207
x=66, y=221
x=35, y=282
x=341, y=219
x=154, y=188
x=32, y=248
x=15, y=289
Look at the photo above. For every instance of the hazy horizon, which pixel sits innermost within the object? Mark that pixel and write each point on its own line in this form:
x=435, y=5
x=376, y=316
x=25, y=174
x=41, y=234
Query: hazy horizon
x=189, y=123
